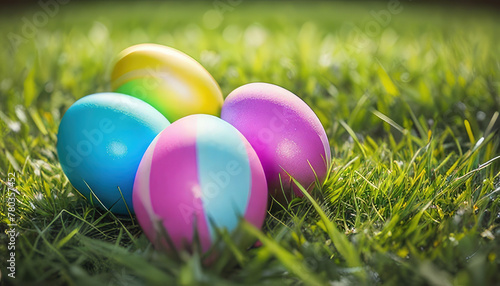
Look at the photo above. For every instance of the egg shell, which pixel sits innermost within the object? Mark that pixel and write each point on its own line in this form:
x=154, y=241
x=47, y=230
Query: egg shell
x=169, y=80
x=284, y=131
x=101, y=140
x=199, y=173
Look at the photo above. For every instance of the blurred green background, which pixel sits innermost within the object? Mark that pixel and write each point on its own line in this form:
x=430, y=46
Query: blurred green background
x=440, y=60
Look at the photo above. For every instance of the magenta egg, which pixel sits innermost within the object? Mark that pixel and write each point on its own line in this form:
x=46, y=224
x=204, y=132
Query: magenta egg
x=284, y=131
x=198, y=175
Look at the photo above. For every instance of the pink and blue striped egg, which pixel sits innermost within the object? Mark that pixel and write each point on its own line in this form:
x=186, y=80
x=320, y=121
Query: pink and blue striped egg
x=198, y=175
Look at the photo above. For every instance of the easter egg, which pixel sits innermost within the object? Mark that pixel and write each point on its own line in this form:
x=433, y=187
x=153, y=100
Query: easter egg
x=169, y=80
x=284, y=131
x=101, y=140
x=198, y=175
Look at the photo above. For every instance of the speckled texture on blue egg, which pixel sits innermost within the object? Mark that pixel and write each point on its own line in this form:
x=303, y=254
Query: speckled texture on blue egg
x=101, y=140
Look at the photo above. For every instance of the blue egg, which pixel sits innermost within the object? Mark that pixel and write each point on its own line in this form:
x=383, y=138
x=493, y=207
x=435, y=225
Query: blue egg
x=101, y=140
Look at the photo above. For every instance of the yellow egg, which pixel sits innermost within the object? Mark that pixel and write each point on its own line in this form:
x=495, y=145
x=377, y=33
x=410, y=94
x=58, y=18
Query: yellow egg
x=169, y=80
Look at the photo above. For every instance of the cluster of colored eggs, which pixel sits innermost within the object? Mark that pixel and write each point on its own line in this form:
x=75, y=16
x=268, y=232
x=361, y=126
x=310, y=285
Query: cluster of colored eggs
x=157, y=148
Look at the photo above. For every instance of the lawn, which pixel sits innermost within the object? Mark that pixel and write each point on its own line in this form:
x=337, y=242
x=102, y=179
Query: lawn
x=408, y=95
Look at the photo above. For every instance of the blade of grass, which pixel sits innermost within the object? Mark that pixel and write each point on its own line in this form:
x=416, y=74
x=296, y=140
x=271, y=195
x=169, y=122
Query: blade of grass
x=290, y=261
x=345, y=248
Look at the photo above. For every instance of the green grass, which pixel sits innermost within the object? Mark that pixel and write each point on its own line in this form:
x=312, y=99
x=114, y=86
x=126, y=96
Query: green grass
x=412, y=196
